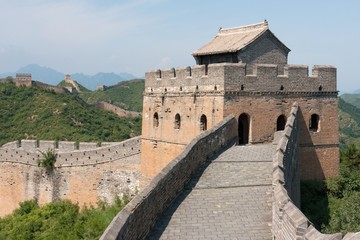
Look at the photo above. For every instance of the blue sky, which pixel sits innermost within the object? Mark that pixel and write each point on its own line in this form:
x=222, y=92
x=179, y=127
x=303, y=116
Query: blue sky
x=140, y=35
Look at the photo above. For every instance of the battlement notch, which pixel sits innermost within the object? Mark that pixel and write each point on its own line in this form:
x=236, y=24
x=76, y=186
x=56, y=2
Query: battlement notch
x=234, y=76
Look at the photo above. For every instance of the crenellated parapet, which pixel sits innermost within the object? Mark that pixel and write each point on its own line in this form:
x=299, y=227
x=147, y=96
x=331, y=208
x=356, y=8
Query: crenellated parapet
x=288, y=222
x=236, y=76
x=23, y=77
x=70, y=153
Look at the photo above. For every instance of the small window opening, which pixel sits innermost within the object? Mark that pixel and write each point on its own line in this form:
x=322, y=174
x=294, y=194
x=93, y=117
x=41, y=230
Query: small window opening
x=314, y=123
x=177, y=121
x=281, y=87
x=189, y=71
x=242, y=87
x=280, y=123
x=203, y=123
x=206, y=69
x=158, y=73
x=156, y=120
x=320, y=88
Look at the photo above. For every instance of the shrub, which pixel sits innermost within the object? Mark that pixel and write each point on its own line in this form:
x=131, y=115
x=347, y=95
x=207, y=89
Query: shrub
x=48, y=160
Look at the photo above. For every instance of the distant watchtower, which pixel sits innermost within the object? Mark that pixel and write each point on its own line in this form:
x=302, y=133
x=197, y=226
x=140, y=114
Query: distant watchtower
x=68, y=78
x=23, y=79
x=242, y=71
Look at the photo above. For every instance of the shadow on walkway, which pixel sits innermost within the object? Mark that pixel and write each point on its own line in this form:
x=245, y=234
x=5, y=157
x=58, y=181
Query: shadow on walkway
x=165, y=218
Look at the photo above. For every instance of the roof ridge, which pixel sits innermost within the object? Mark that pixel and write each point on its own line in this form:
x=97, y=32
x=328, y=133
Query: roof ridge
x=245, y=27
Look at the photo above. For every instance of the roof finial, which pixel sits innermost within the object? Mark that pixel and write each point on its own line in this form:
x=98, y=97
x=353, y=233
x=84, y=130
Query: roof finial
x=265, y=21
x=220, y=29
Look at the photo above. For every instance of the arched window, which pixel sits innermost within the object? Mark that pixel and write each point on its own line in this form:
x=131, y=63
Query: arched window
x=203, y=123
x=156, y=120
x=244, y=128
x=280, y=123
x=177, y=123
x=314, y=123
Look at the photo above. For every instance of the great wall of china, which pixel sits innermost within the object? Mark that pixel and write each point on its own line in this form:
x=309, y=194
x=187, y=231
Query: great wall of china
x=246, y=96
x=137, y=219
x=83, y=172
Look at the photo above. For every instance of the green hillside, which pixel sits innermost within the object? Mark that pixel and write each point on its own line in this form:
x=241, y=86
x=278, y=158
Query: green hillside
x=35, y=113
x=66, y=84
x=349, y=123
x=126, y=94
x=353, y=99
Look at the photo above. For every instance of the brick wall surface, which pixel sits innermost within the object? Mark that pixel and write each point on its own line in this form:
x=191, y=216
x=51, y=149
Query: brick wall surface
x=230, y=76
x=264, y=93
x=83, y=176
x=318, y=151
x=164, y=142
x=137, y=218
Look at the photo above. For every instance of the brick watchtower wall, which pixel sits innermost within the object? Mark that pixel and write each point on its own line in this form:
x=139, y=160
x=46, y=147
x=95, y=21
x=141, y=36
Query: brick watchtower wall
x=178, y=105
x=23, y=79
x=176, y=102
x=266, y=96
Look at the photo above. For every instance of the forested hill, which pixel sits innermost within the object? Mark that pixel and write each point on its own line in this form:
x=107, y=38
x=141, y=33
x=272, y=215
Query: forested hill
x=35, y=113
x=125, y=94
x=128, y=95
x=349, y=123
x=352, y=98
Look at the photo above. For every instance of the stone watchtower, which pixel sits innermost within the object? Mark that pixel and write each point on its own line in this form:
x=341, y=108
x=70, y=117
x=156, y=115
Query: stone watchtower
x=23, y=79
x=242, y=71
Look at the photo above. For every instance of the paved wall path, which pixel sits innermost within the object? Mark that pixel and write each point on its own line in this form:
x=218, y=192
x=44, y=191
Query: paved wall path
x=230, y=198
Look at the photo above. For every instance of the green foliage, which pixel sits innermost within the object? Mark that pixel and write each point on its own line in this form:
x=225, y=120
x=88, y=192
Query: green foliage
x=59, y=220
x=342, y=199
x=66, y=84
x=26, y=207
x=348, y=179
x=314, y=202
x=48, y=160
x=35, y=113
x=349, y=123
x=345, y=214
x=353, y=99
x=126, y=95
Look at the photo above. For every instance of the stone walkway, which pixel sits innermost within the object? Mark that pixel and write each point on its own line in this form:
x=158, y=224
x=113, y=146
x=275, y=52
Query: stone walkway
x=229, y=199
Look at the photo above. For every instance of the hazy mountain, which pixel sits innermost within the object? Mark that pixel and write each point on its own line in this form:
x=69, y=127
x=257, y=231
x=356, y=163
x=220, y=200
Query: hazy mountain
x=353, y=99
x=53, y=77
x=101, y=78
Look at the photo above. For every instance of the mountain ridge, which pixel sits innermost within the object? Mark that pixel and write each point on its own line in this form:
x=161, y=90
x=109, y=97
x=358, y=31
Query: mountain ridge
x=53, y=77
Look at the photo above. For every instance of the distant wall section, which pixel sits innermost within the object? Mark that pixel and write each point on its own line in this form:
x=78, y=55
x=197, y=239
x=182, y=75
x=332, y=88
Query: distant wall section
x=83, y=175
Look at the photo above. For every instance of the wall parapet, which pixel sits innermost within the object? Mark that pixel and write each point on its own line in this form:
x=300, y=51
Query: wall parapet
x=29, y=152
x=115, y=109
x=288, y=222
x=139, y=216
x=232, y=76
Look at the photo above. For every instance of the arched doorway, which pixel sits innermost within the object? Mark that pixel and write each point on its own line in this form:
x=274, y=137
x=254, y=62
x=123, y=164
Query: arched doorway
x=243, y=129
x=280, y=123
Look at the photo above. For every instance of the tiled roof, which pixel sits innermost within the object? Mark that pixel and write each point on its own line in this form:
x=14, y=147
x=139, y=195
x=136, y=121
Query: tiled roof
x=233, y=39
